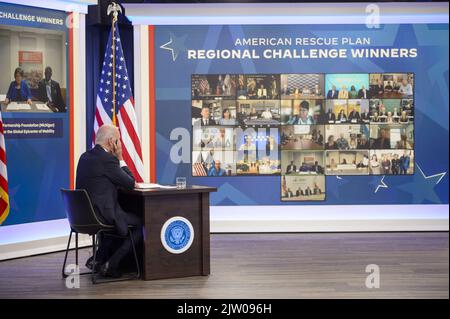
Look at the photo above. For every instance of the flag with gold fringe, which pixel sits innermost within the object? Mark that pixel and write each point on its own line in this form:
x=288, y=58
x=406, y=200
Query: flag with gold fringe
x=4, y=198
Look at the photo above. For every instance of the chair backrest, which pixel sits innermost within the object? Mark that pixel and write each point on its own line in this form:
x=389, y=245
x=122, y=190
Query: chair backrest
x=80, y=212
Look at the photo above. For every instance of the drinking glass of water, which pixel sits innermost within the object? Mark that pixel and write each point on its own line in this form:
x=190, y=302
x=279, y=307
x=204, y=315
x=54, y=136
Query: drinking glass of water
x=181, y=182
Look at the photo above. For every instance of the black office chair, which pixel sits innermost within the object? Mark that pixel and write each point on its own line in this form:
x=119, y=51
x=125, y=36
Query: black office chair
x=83, y=220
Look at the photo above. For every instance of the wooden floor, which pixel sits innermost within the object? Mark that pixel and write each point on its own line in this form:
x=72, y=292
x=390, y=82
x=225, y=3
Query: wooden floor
x=320, y=265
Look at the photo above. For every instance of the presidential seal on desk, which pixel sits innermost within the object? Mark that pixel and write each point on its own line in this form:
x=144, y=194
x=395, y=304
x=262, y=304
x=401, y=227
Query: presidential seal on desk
x=177, y=235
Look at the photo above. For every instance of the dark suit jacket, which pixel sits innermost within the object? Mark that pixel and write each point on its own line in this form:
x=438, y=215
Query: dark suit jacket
x=365, y=116
x=354, y=116
x=291, y=168
x=377, y=90
x=361, y=94
x=329, y=117
x=380, y=144
x=210, y=122
x=330, y=94
x=57, y=99
x=100, y=174
x=395, y=165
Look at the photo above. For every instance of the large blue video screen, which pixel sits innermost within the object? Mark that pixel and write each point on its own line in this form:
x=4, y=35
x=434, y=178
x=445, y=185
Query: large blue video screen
x=247, y=81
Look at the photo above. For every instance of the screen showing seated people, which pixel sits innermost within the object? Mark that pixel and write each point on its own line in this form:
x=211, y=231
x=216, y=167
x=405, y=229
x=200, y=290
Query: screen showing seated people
x=35, y=70
x=34, y=105
x=302, y=127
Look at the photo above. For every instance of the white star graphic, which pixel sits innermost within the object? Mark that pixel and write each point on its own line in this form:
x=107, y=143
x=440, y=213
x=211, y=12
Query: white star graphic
x=165, y=47
x=432, y=176
x=382, y=185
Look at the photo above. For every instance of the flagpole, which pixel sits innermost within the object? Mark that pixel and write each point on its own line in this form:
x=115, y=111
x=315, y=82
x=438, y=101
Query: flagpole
x=114, y=8
x=114, y=67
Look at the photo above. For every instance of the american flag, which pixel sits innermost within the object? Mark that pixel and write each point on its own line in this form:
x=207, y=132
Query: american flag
x=124, y=112
x=241, y=80
x=4, y=198
x=204, y=85
x=198, y=169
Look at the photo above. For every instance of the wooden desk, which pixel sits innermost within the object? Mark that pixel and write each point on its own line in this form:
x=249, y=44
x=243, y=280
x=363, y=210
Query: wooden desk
x=301, y=144
x=391, y=95
x=23, y=107
x=157, y=206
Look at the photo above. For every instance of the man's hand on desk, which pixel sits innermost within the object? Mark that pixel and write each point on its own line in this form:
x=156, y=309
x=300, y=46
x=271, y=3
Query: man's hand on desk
x=29, y=102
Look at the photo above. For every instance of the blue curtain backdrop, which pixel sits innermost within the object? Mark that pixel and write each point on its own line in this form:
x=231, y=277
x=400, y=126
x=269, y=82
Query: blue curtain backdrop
x=96, y=41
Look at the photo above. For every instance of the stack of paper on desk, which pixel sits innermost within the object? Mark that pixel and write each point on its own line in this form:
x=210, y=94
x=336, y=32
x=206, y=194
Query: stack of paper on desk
x=14, y=106
x=42, y=107
x=152, y=185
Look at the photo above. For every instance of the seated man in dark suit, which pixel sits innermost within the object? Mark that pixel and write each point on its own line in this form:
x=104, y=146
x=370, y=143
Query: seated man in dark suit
x=50, y=92
x=329, y=117
x=291, y=168
x=304, y=167
x=365, y=117
x=354, y=117
x=317, y=168
x=377, y=90
x=333, y=93
x=101, y=172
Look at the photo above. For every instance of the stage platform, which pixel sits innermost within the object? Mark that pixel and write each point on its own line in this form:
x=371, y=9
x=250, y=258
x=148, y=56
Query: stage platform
x=291, y=265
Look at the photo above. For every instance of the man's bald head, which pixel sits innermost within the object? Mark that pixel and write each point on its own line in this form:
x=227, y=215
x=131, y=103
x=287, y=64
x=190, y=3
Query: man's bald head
x=105, y=133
